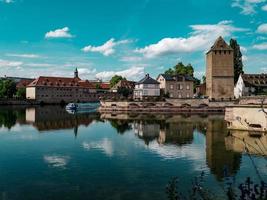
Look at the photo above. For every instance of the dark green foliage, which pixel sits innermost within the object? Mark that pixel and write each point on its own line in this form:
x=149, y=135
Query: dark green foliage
x=238, y=64
x=7, y=88
x=115, y=79
x=125, y=92
x=203, y=79
x=181, y=69
x=21, y=93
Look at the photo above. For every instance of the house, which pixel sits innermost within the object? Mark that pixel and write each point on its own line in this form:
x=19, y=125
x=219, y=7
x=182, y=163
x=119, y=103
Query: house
x=201, y=89
x=101, y=87
x=61, y=89
x=177, y=86
x=220, y=71
x=250, y=84
x=147, y=87
x=130, y=85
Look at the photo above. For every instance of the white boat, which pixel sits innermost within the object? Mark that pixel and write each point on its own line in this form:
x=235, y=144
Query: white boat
x=82, y=107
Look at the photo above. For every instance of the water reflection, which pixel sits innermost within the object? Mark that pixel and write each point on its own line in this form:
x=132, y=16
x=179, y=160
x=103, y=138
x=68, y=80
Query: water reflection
x=223, y=150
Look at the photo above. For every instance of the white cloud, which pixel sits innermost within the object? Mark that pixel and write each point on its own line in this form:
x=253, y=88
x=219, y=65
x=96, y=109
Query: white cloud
x=244, y=58
x=131, y=59
x=108, y=48
x=243, y=49
x=59, y=33
x=247, y=7
x=262, y=46
x=8, y=63
x=264, y=8
x=262, y=28
x=57, y=161
x=200, y=39
x=86, y=72
x=7, y=1
x=104, y=145
x=23, y=55
x=132, y=73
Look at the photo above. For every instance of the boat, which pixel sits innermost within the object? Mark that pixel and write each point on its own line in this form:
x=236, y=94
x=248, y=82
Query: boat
x=82, y=107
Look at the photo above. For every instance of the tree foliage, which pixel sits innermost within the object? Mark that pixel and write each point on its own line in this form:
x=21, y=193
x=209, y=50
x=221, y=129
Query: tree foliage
x=21, y=93
x=7, y=88
x=181, y=69
x=115, y=79
x=238, y=64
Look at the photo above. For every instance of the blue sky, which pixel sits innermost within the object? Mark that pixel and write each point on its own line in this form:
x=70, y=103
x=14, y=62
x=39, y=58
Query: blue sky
x=126, y=37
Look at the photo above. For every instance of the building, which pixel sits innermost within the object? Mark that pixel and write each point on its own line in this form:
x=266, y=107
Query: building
x=220, y=71
x=61, y=89
x=201, y=89
x=130, y=85
x=177, y=86
x=250, y=84
x=23, y=83
x=147, y=87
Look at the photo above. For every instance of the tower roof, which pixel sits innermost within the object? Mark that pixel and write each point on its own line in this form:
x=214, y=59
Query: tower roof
x=220, y=44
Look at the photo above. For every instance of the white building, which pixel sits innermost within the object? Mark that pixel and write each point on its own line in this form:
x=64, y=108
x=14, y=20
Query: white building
x=250, y=85
x=147, y=87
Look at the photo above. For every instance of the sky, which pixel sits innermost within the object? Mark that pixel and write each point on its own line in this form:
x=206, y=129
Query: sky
x=125, y=37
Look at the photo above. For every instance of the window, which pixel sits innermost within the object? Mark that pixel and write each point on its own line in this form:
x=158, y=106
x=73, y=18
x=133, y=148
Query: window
x=179, y=96
x=171, y=95
x=181, y=87
x=187, y=95
x=145, y=92
x=171, y=86
x=187, y=87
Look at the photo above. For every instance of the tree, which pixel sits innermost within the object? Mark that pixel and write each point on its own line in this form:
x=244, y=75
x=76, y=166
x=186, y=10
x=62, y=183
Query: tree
x=21, y=93
x=203, y=79
x=7, y=88
x=238, y=64
x=115, y=79
x=181, y=69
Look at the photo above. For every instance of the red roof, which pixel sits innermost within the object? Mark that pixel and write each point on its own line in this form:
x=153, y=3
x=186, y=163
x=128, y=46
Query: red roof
x=105, y=86
x=60, y=82
x=23, y=83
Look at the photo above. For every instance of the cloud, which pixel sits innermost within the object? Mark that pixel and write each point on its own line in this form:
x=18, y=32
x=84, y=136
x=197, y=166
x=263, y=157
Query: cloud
x=248, y=7
x=23, y=55
x=59, y=33
x=131, y=73
x=262, y=28
x=243, y=49
x=108, y=48
x=131, y=59
x=200, y=39
x=86, y=72
x=104, y=145
x=57, y=161
x=8, y=63
x=264, y=8
x=8, y=1
x=262, y=46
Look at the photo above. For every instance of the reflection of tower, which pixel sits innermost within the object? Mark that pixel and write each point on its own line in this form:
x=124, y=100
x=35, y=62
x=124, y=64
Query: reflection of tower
x=220, y=161
x=76, y=131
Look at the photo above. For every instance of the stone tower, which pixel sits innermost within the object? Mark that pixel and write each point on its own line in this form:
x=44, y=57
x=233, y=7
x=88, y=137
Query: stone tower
x=220, y=71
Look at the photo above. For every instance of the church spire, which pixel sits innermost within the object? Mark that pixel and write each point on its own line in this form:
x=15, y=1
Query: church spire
x=76, y=73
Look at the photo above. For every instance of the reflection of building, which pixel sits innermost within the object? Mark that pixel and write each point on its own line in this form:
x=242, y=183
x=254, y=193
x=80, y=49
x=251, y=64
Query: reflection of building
x=221, y=161
x=146, y=131
x=220, y=71
x=61, y=89
x=147, y=87
x=241, y=142
x=55, y=118
x=177, y=86
x=250, y=84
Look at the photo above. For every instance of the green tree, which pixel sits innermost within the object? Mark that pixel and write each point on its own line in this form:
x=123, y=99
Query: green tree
x=181, y=69
x=203, y=79
x=7, y=88
x=21, y=93
x=238, y=64
x=115, y=79
x=98, y=86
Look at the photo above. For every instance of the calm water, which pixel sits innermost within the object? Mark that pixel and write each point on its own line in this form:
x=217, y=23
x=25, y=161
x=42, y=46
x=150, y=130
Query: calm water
x=46, y=153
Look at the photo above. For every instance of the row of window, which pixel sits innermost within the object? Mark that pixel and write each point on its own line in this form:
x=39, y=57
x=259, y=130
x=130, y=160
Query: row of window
x=180, y=95
x=179, y=87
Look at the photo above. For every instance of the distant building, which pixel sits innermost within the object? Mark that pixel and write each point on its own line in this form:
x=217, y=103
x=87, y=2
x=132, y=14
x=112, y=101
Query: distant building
x=147, y=87
x=177, y=86
x=201, y=89
x=101, y=87
x=220, y=71
x=61, y=89
x=251, y=84
x=130, y=85
x=23, y=83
